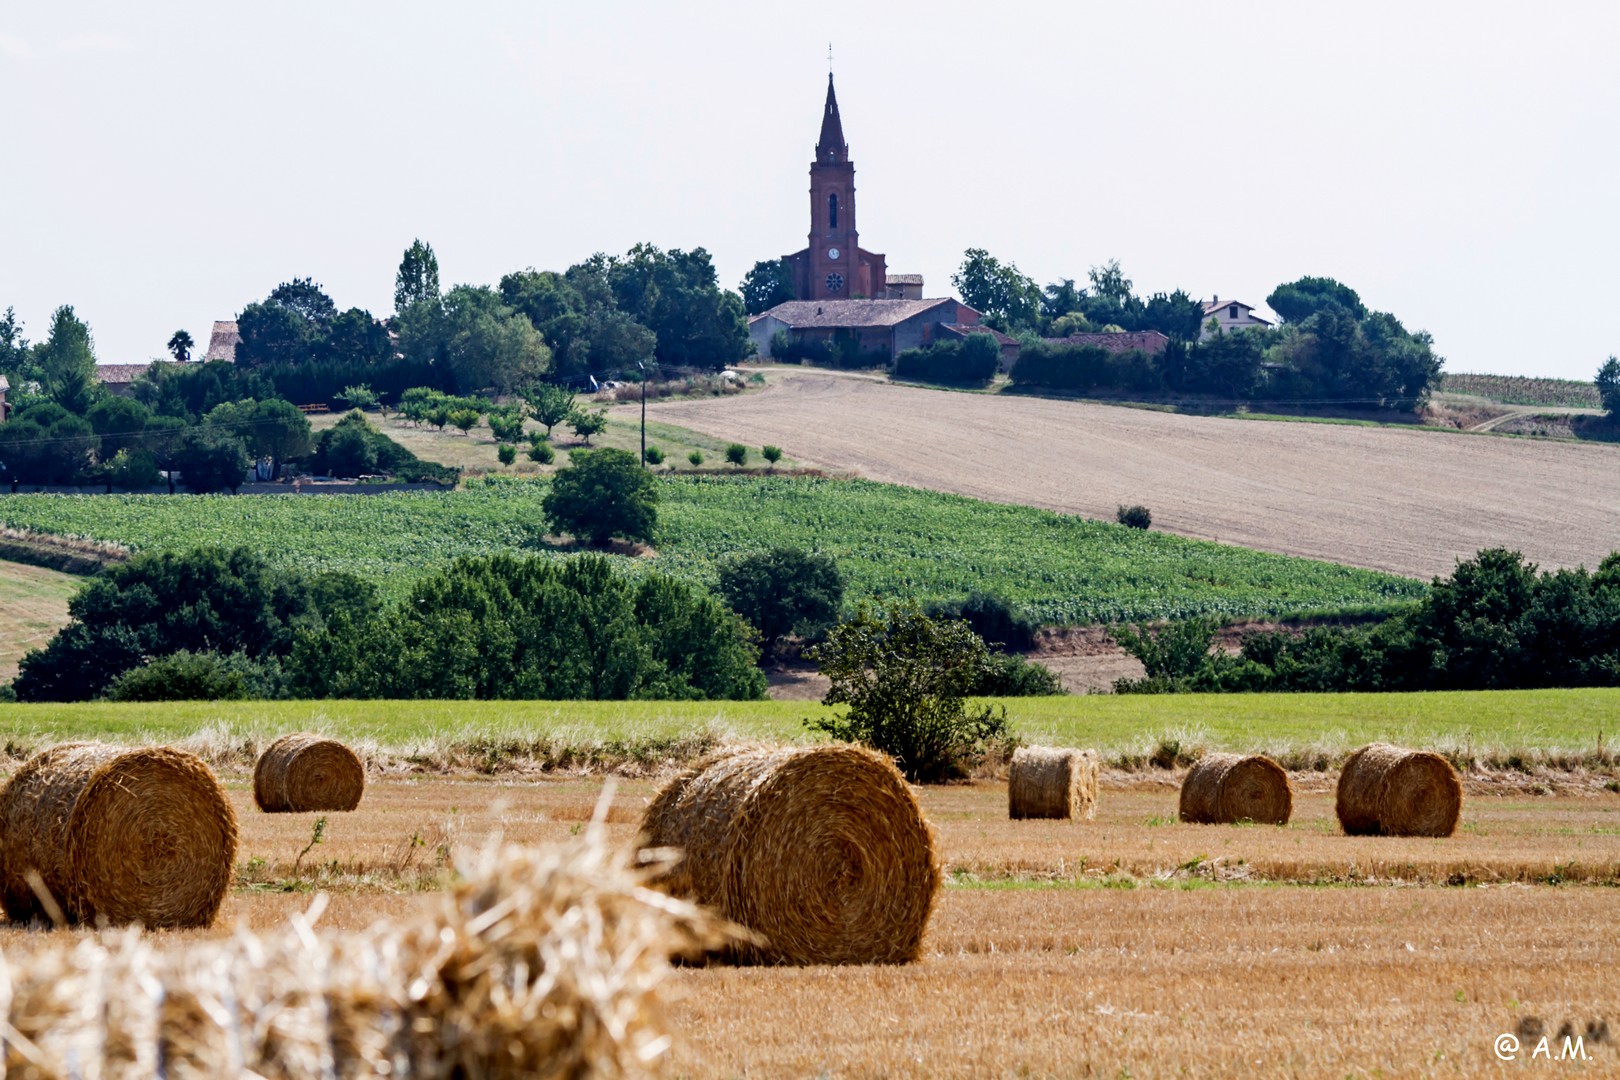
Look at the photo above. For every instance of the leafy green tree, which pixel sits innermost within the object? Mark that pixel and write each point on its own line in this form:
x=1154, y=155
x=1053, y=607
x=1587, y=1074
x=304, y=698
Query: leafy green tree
x=1298, y=300
x=549, y=404
x=1175, y=315
x=66, y=363
x=676, y=295
x=1059, y=299
x=783, y=591
x=14, y=352
x=905, y=678
x=182, y=676
x=482, y=341
x=772, y=454
x=274, y=428
x=737, y=454
x=355, y=337
x=360, y=397
x=45, y=444
x=606, y=493
x=119, y=423
x=418, y=276
x=997, y=290
x=1171, y=650
x=507, y=453
x=275, y=335
x=464, y=419
x=653, y=456
x=206, y=600
x=766, y=285
x=695, y=457
x=211, y=459
x=180, y=346
x=587, y=422
x=347, y=450
x=580, y=319
x=1108, y=282
x=131, y=469
x=1608, y=386
x=540, y=450
x=506, y=424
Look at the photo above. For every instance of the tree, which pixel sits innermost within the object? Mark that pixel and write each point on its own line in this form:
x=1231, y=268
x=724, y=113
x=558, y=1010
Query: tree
x=66, y=363
x=1608, y=387
x=211, y=459
x=783, y=591
x=464, y=419
x=356, y=337
x=209, y=599
x=180, y=345
x=587, y=422
x=482, y=341
x=418, y=276
x=1298, y=300
x=905, y=678
x=274, y=428
x=347, y=450
x=45, y=444
x=580, y=319
x=772, y=454
x=695, y=457
x=506, y=424
x=766, y=285
x=1175, y=315
x=997, y=290
x=549, y=404
x=290, y=326
x=676, y=295
x=737, y=454
x=606, y=493
x=119, y=423
x=14, y=355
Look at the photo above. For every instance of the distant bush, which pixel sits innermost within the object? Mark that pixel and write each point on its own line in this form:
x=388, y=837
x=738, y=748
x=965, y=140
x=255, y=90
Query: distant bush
x=211, y=460
x=1135, y=517
x=654, y=456
x=360, y=397
x=1057, y=366
x=695, y=457
x=352, y=447
x=970, y=362
x=198, y=676
x=506, y=424
x=843, y=351
x=1011, y=675
x=783, y=591
x=603, y=494
x=587, y=422
x=993, y=618
x=737, y=454
x=772, y=454
x=507, y=453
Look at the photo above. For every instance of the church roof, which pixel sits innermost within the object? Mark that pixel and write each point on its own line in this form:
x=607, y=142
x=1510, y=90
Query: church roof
x=831, y=146
x=831, y=314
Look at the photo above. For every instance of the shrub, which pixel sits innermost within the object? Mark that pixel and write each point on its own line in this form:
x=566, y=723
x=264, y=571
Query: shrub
x=197, y=676
x=211, y=460
x=605, y=494
x=905, y=679
x=506, y=424
x=352, y=447
x=783, y=591
x=1134, y=517
x=540, y=450
x=772, y=454
x=465, y=419
x=695, y=457
x=970, y=362
x=1173, y=650
x=346, y=450
x=654, y=456
x=130, y=469
x=991, y=617
x=587, y=422
x=360, y=397
x=737, y=454
x=1011, y=675
x=507, y=453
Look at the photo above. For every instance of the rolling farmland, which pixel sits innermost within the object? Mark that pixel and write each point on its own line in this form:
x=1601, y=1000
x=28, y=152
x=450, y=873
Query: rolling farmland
x=1407, y=501
x=890, y=541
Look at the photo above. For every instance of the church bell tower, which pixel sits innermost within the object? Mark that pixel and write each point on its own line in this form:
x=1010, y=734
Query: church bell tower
x=834, y=243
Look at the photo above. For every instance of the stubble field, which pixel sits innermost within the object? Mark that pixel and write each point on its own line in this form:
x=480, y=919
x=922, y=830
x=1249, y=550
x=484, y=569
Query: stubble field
x=1406, y=501
x=1129, y=945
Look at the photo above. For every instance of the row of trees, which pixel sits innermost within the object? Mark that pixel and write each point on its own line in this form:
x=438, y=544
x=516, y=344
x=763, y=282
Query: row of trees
x=1495, y=624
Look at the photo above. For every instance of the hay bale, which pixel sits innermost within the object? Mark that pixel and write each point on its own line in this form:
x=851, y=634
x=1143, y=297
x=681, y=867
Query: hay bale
x=1223, y=788
x=821, y=851
x=116, y=835
x=543, y=962
x=1387, y=791
x=301, y=772
x=1052, y=782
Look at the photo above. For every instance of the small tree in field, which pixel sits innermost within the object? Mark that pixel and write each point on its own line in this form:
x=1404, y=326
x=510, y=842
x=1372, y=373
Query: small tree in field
x=587, y=422
x=772, y=454
x=737, y=454
x=905, y=679
x=606, y=493
x=654, y=456
x=465, y=419
x=695, y=457
x=1134, y=517
x=507, y=453
x=1608, y=387
x=540, y=449
x=550, y=405
x=783, y=591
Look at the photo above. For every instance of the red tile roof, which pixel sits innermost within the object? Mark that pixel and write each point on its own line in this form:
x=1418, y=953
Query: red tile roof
x=120, y=373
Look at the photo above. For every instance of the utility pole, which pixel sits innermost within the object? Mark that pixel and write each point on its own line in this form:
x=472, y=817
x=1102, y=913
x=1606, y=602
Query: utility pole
x=643, y=368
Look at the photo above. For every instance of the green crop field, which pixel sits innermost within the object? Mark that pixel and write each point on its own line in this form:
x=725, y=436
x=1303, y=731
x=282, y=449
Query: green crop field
x=1523, y=390
x=1290, y=725
x=891, y=542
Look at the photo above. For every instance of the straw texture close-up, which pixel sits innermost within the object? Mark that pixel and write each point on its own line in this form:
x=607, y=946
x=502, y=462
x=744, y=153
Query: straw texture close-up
x=1223, y=788
x=302, y=772
x=1052, y=782
x=541, y=963
x=115, y=835
x=823, y=852
x=1387, y=791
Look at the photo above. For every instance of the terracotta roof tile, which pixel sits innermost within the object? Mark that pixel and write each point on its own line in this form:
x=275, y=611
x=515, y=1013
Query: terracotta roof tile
x=806, y=314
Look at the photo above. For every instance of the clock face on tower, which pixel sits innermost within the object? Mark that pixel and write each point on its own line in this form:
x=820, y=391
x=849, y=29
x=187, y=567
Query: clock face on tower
x=832, y=253
x=835, y=282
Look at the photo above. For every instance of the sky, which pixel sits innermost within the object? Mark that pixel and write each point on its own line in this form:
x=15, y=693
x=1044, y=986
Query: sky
x=164, y=164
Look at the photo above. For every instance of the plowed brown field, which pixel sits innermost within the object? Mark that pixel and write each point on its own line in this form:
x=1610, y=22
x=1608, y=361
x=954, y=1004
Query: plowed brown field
x=1407, y=501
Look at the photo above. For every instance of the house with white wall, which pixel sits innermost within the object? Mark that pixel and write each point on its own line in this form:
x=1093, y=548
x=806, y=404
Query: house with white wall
x=1229, y=315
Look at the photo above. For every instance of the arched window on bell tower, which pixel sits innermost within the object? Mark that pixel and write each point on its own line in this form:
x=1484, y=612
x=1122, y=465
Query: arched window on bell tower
x=832, y=210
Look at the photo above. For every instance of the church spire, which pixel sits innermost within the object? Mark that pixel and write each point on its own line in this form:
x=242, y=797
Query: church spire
x=831, y=146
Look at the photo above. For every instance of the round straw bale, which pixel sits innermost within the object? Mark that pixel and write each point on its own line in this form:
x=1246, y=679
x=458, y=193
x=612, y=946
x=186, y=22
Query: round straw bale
x=116, y=835
x=821, y=851
x=1052, y=782
x=1387, y=791
x=300, y=772
x=1222, y=788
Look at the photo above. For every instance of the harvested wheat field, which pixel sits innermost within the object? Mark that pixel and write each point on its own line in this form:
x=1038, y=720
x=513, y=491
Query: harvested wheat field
x=1407, y=501
x=1130, y=943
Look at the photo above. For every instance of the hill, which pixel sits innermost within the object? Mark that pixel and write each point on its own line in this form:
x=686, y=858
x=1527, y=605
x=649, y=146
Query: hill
x=891, y=542
x=1408, y=501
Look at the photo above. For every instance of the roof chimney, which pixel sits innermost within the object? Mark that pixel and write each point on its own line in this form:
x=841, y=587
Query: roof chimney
x=1215, y=299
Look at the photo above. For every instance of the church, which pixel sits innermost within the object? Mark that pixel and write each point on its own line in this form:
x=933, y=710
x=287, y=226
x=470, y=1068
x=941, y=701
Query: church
x=844, y=293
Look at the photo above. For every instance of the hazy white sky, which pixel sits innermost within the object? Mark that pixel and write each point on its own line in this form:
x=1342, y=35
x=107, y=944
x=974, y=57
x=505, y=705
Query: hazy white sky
x=162, y=164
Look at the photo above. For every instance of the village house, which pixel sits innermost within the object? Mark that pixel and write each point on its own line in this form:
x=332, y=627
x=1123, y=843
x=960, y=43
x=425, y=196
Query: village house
x=889, y=327
x=1229, y=315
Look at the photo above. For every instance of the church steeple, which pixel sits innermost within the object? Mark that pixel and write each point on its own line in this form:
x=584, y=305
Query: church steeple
x=831, y=148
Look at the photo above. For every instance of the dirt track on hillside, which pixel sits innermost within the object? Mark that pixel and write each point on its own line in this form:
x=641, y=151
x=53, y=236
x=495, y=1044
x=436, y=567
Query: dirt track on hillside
x=1407, y=501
